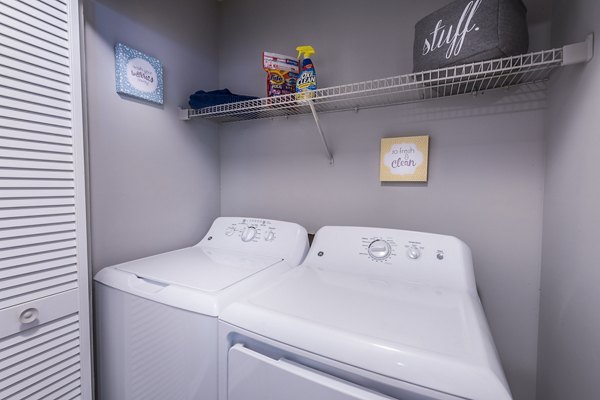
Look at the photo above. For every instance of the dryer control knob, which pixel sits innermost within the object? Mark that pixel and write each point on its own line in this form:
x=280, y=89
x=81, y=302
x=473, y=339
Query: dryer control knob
x=413, y=252
x=230, y=231
x=270, y=236
x=248, y=234
x=379, y=249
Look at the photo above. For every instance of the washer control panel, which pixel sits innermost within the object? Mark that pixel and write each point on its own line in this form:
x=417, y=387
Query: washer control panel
x=258, y=236
x=252, y=230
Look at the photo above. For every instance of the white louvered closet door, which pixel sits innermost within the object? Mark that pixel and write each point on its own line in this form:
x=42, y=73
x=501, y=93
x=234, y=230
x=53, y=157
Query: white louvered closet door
x=44, y=289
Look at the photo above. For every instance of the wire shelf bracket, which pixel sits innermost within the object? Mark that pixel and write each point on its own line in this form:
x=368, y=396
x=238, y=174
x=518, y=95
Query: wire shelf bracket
x=474, y=78
x=316, y=117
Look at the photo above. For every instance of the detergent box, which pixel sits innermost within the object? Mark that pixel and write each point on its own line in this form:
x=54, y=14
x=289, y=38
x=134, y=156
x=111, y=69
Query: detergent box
x=282, y=73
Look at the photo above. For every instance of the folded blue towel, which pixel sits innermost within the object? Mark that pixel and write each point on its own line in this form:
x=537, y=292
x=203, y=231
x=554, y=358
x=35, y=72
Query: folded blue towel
x=202, y=99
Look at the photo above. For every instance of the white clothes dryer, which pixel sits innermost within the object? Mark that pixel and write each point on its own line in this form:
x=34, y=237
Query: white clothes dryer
x=371, y=314
x=156, y=318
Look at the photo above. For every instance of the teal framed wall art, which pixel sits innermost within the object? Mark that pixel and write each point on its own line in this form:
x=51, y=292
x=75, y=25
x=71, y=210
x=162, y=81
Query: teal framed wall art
x=138, y=75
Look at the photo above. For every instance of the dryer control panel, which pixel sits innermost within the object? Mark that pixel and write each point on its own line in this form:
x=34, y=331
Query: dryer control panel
x=259, y=236
x=383, y=248
x=416, y=257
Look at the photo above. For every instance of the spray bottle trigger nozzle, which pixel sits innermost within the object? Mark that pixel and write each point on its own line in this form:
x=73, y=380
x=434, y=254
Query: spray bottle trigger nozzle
x=306, y=50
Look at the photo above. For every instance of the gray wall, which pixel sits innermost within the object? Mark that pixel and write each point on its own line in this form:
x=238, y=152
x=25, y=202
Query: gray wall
x=570, y=281
x=486, y=156
x=154, y=179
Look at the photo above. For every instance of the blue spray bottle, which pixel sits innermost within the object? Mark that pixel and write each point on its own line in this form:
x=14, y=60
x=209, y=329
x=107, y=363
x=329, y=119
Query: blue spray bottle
x=307, y=81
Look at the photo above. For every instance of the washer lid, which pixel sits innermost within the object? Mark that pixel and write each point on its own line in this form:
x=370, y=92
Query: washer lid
x=199, y=268
x=432, y=337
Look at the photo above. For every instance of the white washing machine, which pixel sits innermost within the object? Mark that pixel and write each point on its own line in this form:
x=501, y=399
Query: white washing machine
x=370, y=314
x=156, y=318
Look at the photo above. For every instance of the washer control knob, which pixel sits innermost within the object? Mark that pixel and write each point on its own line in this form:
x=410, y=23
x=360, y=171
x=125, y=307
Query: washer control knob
x=248, y=234
x=270, y=236
x=230, y=231
x=379, y=249
x=413, y=252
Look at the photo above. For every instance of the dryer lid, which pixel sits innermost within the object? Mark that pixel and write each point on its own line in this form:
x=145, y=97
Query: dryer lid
x=431, y=337
x=199, y=268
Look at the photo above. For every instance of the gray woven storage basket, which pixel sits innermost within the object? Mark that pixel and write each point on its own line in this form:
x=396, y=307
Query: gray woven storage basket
x=467, y=31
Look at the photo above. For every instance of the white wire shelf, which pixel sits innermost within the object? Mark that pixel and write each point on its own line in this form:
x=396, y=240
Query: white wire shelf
x=463, y=79
x=473, y=78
